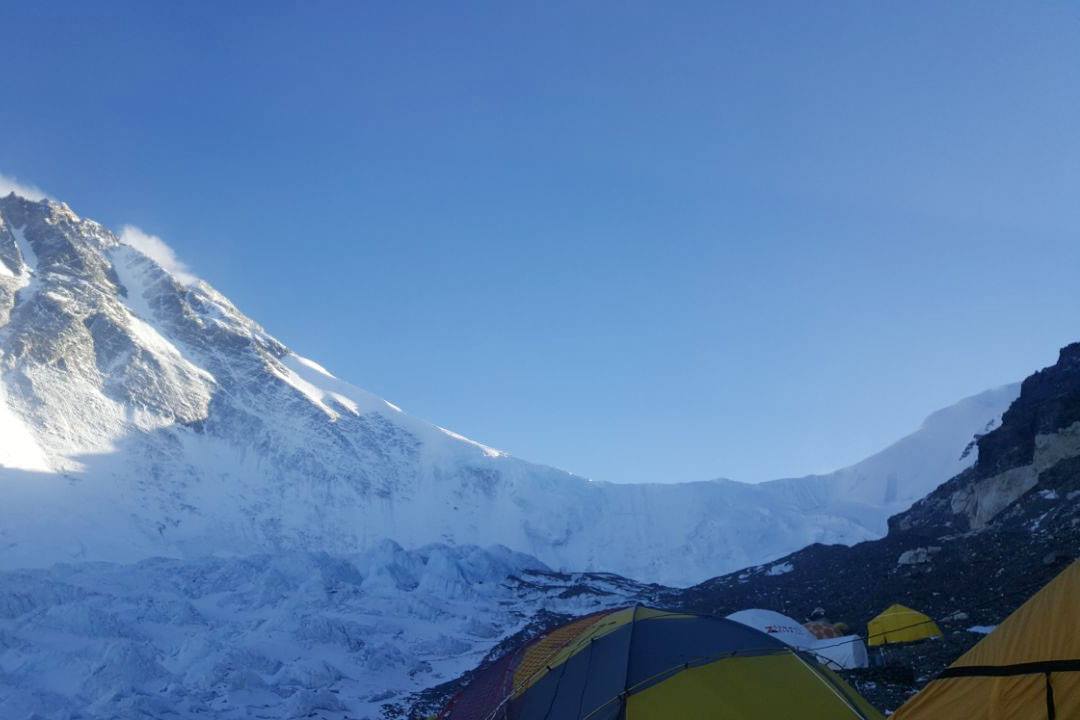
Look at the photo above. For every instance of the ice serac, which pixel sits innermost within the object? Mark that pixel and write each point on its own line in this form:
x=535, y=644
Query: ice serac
x=143, y=414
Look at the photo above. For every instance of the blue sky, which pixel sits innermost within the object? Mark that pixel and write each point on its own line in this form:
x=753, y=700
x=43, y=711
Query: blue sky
x=637, y=241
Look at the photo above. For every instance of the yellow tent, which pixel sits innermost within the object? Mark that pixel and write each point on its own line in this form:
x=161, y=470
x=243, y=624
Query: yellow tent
x=1027, y=669
x=899, y=624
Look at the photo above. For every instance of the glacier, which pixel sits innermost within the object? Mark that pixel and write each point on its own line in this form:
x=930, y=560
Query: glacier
x=143, y=415
x=286, y=635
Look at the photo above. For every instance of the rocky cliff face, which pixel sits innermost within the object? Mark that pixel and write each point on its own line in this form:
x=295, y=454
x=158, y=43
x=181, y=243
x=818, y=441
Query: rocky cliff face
x=1038, y=432
x=143, y=414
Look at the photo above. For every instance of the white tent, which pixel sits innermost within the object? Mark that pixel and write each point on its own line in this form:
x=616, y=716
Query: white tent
x=842, y=653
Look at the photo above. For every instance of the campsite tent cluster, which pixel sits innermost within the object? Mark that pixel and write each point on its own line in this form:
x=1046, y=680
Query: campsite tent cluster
x=641, y=663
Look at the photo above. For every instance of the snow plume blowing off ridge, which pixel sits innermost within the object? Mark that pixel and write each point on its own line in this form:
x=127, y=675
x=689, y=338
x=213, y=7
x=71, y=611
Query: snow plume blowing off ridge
x=171, y=424
x=9, y=184
x=157, y=250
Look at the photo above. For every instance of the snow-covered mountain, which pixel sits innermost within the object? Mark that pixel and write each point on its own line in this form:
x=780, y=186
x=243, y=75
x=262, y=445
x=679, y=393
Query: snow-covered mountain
x=142, y=414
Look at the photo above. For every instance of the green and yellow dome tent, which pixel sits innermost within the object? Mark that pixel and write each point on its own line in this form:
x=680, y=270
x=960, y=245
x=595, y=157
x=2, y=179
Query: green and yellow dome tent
x=640, y=663
x=1028, y=668
x=900, y=624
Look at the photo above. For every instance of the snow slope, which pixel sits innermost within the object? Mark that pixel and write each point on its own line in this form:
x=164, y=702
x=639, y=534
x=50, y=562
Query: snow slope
x=147, y=416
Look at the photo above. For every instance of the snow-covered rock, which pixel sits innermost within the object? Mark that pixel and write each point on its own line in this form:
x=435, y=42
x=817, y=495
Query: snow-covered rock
x=143, y=414
x=917, y=556
x=780, y=569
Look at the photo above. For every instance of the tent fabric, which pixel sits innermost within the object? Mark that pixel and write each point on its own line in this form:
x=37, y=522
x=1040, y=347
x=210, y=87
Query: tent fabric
x=780, y=626
x=900, y=624
x=489, y=688
x=846, y=652
x=1028, y=668
x=645, y=663
x=836, y=652
x=541, y=653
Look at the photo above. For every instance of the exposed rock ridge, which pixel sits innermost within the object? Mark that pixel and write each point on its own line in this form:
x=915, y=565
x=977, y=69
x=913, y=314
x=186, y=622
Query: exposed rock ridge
x=1039, y=430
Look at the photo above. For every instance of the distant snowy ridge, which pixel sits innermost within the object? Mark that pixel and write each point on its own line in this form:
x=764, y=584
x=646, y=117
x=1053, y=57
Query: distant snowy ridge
x=143, y=415
x=890, y=481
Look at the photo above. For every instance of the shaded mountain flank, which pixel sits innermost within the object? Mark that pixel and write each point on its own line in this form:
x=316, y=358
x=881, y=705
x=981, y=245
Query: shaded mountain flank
x=968, y=554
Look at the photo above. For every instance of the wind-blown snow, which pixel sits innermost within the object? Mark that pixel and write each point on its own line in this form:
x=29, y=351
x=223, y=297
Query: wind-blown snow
x=158, y=250
x=180, y=427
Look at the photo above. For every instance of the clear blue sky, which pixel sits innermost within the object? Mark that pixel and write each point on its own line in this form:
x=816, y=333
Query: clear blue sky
x=635, y=241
